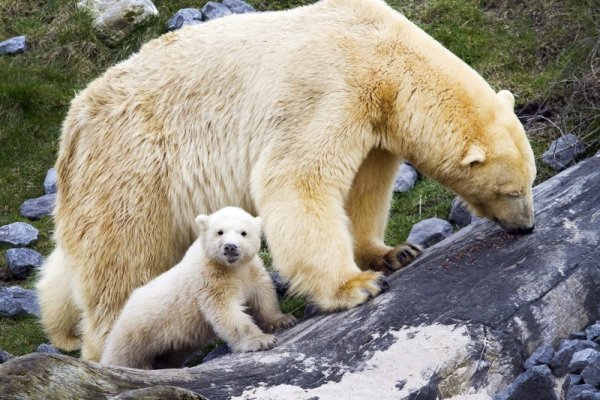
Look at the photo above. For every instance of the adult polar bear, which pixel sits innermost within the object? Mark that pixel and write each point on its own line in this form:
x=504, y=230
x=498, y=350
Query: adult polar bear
x=300, y=116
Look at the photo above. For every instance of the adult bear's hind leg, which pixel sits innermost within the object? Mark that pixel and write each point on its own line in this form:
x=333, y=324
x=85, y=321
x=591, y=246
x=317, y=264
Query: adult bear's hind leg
x=60, y=315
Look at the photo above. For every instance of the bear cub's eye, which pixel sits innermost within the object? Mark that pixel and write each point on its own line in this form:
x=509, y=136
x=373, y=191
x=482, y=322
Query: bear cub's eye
x=220, y=233
x=243, y=233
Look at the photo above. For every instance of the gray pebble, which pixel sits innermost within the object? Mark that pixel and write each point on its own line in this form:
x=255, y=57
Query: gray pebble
x=39, y=207
x=563, y=152
x=22, y=261
x=50, y=182
x=13, y=45
x=16, y=301
x=18, y=234
x=238, y=6
x=430, y=231
x=212, y=10
x=185, y=16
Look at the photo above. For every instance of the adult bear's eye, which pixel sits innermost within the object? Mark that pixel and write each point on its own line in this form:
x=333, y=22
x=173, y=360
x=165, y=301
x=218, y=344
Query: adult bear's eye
x=243, y=233
x=220, y=233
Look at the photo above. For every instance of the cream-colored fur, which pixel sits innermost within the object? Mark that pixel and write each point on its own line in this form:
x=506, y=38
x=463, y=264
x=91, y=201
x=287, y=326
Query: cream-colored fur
x=300, y=116
x=165, y=321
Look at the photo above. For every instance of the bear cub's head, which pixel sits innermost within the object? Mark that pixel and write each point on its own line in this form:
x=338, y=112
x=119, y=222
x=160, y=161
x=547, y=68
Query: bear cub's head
x=230, y=236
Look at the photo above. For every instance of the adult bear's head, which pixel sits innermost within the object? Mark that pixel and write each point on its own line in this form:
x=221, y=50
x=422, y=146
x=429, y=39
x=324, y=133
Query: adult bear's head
x=499, y=168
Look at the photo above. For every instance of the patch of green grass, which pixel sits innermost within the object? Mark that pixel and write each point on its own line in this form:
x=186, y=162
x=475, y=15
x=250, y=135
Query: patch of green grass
x=427, y=199
x=20, y=336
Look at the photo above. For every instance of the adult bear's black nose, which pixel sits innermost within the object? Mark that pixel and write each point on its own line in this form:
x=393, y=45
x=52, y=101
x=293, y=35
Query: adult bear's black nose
x=522, y=231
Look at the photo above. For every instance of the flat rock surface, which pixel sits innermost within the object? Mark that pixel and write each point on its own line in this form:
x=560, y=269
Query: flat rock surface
x=456, y=324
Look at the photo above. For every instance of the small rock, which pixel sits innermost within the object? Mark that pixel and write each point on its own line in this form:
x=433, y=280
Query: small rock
x=576, y=391
x=50, y=181
x=535, y=383
x=13, y=45
x=281, y=286
x=591, y=373
x=406, y=177
x=563, y=152
x=21, y=261
x=590, y=395
x=217, y=352
x=238, y=6
x=47, y=348
x=566, y=349
x=212, y=10
x=16, y=301
x=542, y=355
x=578, y=335
x=310, y=309
x=38, y=208
x=570, y=381
x=18, y=234
x=582, y=359
x=459, y=213
x=185, y=16
x=5, y=356
x=428, y=232
x=114, y=20
x=593, y=333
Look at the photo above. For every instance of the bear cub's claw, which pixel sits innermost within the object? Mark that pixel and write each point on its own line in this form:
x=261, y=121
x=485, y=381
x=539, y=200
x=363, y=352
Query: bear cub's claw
x=399, y=257
x=255, y=343
x=282, y=322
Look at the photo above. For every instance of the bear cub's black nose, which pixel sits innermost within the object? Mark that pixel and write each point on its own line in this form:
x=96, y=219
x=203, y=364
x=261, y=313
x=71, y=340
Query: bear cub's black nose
x=230, y=248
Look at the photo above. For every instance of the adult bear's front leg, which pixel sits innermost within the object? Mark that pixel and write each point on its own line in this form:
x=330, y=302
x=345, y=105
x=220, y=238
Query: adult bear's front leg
x=307, y=228
x=368, y=207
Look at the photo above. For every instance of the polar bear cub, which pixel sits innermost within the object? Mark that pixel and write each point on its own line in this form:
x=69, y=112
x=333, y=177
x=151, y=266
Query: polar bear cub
x=205, y=295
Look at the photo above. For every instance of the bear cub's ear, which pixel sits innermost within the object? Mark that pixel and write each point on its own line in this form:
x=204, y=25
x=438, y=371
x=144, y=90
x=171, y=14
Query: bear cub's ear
x=258, y=222
x=202, y=221
x=507, y=98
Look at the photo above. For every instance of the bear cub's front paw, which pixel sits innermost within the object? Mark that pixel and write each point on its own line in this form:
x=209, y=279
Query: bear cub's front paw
x=255, y=343
x=281, y=322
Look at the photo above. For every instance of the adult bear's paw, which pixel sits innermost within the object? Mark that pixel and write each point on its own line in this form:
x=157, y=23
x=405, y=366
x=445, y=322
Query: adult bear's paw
x=399, y=257
x=360, y=288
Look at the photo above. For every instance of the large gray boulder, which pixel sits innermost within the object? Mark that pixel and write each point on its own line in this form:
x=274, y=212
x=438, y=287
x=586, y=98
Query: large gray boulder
x=18, y=234
x=456, y=324
x=114, y=20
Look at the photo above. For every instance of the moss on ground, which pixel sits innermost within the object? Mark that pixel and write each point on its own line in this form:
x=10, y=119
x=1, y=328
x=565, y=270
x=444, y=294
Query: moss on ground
x=546, y=52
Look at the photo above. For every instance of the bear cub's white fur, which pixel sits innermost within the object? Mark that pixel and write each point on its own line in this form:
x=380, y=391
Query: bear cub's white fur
x=205, y=295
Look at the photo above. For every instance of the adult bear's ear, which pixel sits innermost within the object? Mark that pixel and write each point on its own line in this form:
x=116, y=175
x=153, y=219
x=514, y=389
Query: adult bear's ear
x=507, y=98
x=202, y=221
x=475, y=154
